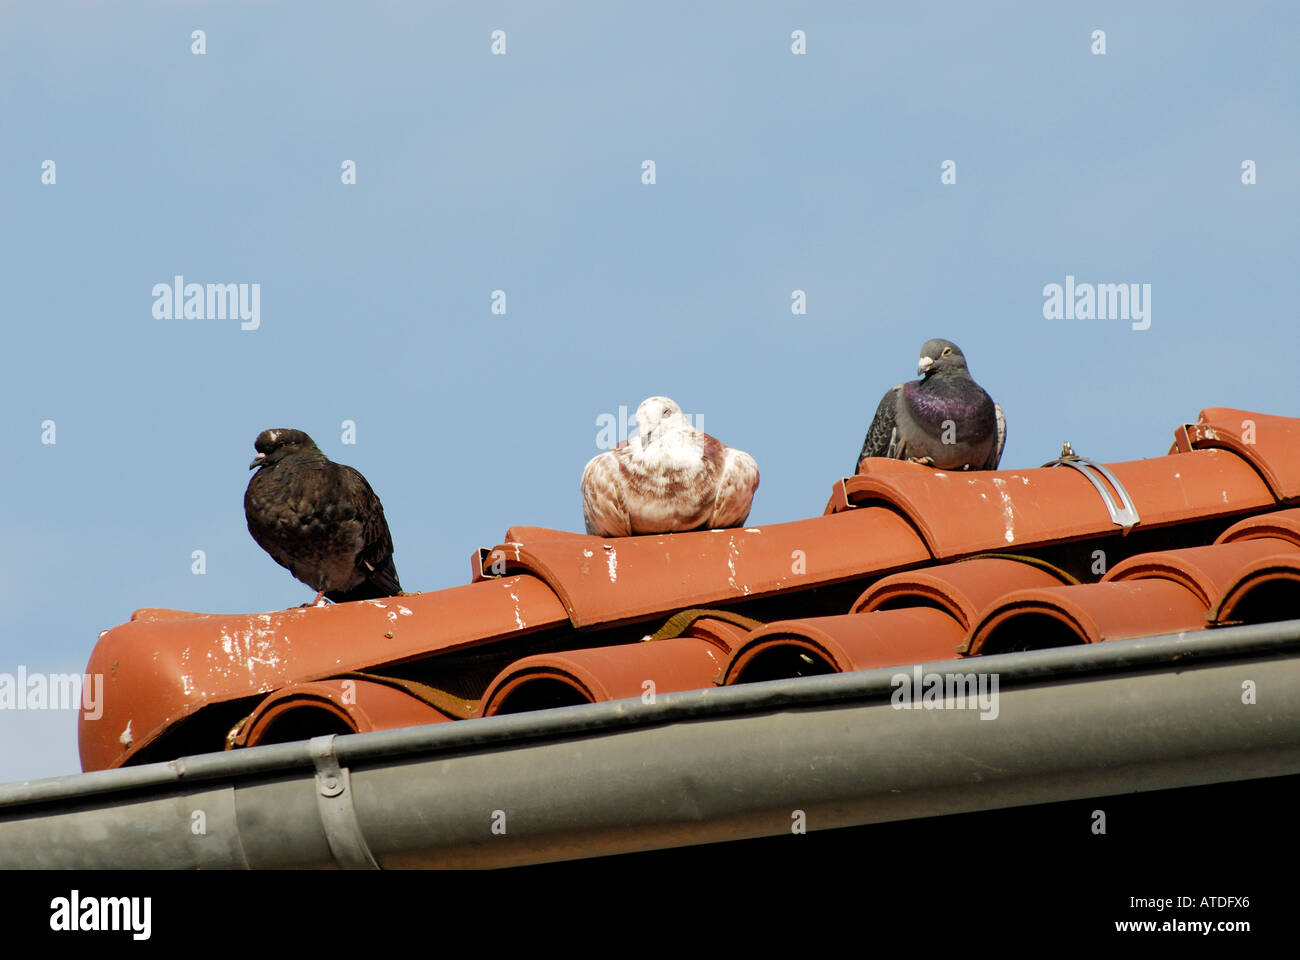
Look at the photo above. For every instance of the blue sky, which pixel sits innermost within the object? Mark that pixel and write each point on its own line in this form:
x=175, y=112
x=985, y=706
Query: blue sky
x=477, y=172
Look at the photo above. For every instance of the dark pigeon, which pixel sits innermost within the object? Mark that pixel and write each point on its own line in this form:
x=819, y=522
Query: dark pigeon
x=944, y=420
x=319, y=519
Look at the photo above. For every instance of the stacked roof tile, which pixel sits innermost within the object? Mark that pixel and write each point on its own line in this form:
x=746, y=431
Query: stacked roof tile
x=906, y=565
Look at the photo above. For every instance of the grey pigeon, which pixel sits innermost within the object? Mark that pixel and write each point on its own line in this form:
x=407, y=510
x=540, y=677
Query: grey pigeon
x=944, y=420
x=319, y=519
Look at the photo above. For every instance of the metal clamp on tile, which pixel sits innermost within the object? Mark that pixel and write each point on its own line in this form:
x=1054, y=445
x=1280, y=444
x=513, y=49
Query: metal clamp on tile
x=1123, y=514
x=338, y=817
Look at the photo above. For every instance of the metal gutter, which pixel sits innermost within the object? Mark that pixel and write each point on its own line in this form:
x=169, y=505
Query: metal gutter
x=694, y=767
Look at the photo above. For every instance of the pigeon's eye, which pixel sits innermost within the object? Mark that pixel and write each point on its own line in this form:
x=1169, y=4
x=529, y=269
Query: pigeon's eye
x=947, y=351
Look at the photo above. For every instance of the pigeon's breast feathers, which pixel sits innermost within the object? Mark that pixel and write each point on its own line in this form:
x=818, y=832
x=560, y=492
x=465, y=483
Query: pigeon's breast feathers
x=943, y=400
x=669, y=470
x=669, y=477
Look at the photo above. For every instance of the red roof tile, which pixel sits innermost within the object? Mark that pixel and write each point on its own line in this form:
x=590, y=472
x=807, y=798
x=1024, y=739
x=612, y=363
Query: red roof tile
x=554, y=616
x=354, y=705
x=1263, y=591
x=166, y=665
x=858, y=641
x=975, y=512
x=725, y=636
x=606, y=581
x=961, y=589
x=604, y=673
x=1087, y=613
x=1206, y=571
x=1269, y=444
x=1283, y=524
x=694, y=656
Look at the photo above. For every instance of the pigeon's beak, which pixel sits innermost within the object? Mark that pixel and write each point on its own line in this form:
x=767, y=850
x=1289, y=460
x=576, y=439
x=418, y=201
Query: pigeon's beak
x=257, y=461
x=923, y=367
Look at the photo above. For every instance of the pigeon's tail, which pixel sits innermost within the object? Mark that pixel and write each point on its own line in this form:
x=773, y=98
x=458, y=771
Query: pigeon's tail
x=381, y=583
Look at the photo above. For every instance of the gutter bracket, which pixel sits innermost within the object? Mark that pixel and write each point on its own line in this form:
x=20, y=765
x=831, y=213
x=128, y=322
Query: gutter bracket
x=338, y=816
x=1123, y=514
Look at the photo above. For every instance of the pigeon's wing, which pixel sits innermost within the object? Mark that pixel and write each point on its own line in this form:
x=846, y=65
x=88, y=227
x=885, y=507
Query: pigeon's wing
x=880, y=435
x=603, y=507
x=375, y=559
x=995, y=455
x=736, y=488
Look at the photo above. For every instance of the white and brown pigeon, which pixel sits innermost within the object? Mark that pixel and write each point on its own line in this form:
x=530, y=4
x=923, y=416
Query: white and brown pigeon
x=668, y=478
x=944, y=420
x=319, y=519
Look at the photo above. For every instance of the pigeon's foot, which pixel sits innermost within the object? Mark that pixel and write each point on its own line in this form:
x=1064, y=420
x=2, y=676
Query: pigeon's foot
x=318, y=602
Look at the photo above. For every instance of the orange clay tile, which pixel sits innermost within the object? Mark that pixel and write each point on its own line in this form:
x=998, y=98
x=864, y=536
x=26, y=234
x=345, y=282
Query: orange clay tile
x=858, y=641
x=1283, y=524
x=725, y=636
x=960, y=513
x=1206, y=571
x=1086, y=613
x=1264, y=591
x=962, y=589
x=697, y=657
x=607, y=673
x=164, y=666
x=358, y=706
x=1270, y=444
x=612, y=580
x=520, y=534
x=892, y=520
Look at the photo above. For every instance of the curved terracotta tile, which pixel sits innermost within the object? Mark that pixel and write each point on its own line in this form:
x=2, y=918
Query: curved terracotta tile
x=1206, y=571
x=1265, y=591
x=723, y=635
x=878, y=465
x=859, y=641
x=486, y=562
x=1086, y=613
x=521, y=534
x=359, y=706
x=160, y=668
x=962, y=589
x=158, y=613
x=618, y=579
x=604, y=673
x=1269, y=443
x=1282, y=524
x=985, y=510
